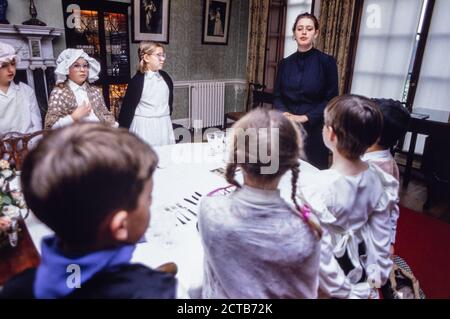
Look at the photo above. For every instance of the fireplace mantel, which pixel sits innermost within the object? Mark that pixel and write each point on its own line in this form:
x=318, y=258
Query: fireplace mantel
x=34, y=45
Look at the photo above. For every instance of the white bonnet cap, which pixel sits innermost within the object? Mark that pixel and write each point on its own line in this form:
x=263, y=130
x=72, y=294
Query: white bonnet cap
x=68, y=57
x=8, y=53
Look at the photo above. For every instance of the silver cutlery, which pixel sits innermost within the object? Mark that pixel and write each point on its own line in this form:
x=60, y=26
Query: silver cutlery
x=185, y=208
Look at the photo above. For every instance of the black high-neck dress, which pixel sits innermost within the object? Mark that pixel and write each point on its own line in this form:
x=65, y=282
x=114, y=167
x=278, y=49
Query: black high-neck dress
x=306, y=82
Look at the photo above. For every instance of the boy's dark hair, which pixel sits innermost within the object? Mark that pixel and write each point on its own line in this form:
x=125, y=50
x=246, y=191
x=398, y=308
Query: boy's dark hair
x=356, y=121
x=395, y=121
x=78, y=175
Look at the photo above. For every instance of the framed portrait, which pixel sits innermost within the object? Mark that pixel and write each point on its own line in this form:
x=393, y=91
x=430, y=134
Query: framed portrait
x=150, y=20
x=216, y=21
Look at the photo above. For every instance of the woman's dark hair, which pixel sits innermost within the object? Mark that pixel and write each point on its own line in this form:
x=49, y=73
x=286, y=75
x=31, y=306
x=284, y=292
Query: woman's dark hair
x=308, y=16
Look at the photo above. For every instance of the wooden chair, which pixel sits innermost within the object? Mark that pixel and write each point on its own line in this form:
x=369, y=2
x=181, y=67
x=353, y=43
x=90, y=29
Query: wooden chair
x=436, y=166
x=259, y=97
x=14, y=146
x=15, y=260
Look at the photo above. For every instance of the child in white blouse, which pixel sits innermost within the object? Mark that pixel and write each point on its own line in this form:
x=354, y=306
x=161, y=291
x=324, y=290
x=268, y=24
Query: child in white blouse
x=256, y=244
x=147, y=104
x=74, y=99
x=395, y=123
x=19, y=110
x=353, y=200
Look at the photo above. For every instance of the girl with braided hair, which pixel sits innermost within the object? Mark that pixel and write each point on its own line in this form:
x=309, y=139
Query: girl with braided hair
x=256, y=244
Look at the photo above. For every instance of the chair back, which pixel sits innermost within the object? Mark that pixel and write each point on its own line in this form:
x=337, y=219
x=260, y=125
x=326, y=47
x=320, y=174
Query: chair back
x=14, y=146
x=437, y=159
x=259, y=97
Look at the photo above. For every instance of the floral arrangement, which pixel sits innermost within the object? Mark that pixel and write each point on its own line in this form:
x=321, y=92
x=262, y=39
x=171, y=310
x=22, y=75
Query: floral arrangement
x=11, y=204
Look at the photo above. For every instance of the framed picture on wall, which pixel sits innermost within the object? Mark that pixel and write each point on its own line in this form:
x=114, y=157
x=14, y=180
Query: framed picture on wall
x=216, y=21
x=150, y=20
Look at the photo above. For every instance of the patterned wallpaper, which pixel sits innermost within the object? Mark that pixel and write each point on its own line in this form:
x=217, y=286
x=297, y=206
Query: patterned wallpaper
x=205, y=61
x=187, y=58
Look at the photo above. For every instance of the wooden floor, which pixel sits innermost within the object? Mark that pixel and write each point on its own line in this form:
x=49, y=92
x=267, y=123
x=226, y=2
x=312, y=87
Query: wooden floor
x=415, y=195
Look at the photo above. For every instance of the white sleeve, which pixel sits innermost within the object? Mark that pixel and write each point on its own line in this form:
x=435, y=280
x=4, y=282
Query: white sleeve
x=333, y=282
x=378, y=242
x=64, y=121
x=395, y=213
x=36, y=119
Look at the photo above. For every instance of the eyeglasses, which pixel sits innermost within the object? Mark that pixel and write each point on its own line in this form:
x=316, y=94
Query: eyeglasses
x=78, y=67
x=160, y=55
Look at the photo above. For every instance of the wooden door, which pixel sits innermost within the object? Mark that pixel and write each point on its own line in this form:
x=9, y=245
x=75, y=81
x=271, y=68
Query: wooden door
x=275, y=41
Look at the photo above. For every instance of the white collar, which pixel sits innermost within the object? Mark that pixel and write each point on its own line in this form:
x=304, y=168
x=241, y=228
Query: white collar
x=76, y=87
x=12, y=86
x=150, y=74
x=376, y=155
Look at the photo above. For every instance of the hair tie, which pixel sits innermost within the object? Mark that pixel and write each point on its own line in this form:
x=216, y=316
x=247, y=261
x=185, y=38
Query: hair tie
x=305, y=212
x=225, y=189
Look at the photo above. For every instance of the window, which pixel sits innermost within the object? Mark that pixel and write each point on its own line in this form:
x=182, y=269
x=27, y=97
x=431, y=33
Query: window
x=386, y=42
x=434, y=82
x=401, y=54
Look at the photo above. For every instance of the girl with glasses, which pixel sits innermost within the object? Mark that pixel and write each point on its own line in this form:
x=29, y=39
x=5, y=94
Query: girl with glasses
x=74, y=99
x=147, y=105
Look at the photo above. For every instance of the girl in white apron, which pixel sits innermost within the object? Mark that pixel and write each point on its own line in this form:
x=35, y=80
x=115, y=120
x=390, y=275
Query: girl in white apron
x=147, y=105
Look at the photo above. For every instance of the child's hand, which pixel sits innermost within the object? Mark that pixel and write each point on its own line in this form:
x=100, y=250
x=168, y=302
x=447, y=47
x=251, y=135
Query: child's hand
x=296, y=118
x=5, y=223
x=81, y=111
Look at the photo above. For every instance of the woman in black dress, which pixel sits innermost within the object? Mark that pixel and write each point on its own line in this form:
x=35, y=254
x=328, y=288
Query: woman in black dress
x=306, y=81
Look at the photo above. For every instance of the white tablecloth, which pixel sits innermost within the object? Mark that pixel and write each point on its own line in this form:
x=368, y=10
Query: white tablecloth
x=183, y=170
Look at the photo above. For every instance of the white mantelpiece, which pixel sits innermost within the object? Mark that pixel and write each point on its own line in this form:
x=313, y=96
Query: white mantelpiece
x=35, y=47
x=22, y=37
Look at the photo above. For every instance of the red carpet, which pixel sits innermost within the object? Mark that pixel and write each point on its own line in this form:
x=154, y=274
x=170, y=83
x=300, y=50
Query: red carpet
x=424, y=243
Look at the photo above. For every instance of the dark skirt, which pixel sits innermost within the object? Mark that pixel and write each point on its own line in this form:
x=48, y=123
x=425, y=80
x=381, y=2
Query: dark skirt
x=315, y=150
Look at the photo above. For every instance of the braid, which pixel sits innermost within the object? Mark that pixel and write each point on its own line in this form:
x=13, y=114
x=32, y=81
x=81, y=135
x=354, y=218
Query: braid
x=229, y=174
x=295, y=172
x=312, y=224
x=231, y=168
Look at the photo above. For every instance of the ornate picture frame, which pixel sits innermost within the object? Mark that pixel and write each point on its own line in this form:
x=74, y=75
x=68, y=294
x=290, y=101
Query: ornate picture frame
x=216, y=21
x=150, y=20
